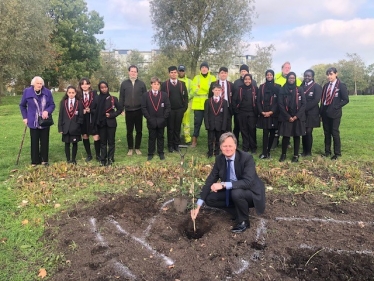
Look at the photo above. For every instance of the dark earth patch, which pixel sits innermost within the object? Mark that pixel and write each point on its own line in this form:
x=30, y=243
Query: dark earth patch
x=300, y=237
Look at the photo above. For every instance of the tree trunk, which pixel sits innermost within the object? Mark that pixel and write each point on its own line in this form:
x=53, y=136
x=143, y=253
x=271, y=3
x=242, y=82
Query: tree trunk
x=355, y=88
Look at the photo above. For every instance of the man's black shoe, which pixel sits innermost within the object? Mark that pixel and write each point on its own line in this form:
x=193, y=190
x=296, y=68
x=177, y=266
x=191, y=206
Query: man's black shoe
x=295, y=159
x=241, y=227
x=88, y=158
x=335, y=157
x=171, y=150
x=264, y=156
x=162, y=156
x=150, y=157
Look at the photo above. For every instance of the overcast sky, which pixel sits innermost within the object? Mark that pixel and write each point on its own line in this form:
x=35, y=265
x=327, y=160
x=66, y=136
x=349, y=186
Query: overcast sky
x=304, y=32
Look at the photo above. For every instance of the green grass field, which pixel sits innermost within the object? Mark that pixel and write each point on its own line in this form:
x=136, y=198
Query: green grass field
x=22, y=252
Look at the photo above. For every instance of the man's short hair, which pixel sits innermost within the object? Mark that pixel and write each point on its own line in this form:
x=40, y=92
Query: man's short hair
x=172, y=68
x=223, y=68
x=216, y=85
x=227, y=135
x=287, y=62
x=134, y=66
x=155, y=79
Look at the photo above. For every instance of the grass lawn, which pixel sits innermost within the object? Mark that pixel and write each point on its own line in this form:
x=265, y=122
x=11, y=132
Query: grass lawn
x=29, y=196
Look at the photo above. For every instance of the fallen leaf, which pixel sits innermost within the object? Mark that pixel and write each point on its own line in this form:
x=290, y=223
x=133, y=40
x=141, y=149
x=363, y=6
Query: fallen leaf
x=24, y=222
x=361, y=224
x=140, y=191
x=165, y=208
x=171, y=249
x=3, y=240
x=57, y=206
x=171, y=266
x=42, y=273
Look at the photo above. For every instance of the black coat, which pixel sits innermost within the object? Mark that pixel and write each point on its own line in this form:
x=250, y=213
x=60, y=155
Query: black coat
x=156, y=109
x=112, y=106
x=340, y=92
x=215, y=114
x=244, y=101
x=313, y=94
x=266, y=102
x=291, y=105
x=245, y=172
x=70, y=124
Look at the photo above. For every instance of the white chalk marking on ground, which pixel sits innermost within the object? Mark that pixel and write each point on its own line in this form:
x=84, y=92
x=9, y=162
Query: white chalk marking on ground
x=364, y=252
x=97, y=233
x=245, y=265
x=148, y=229
x=119, y=266
x=124, y=270
x=166, y=259
x=323, y=220
x=260, y=237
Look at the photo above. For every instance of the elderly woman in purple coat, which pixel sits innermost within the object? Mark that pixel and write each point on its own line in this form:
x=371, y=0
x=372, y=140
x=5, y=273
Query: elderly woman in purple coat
x=37, y=101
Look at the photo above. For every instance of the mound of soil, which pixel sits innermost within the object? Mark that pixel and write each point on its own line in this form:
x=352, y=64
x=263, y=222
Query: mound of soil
x=303, y=237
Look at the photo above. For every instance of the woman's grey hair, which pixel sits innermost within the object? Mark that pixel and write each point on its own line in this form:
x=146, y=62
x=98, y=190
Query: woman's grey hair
x=227, y=135
x=36, y=78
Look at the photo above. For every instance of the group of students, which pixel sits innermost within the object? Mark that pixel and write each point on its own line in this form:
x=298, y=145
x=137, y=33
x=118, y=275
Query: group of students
x=283, y=105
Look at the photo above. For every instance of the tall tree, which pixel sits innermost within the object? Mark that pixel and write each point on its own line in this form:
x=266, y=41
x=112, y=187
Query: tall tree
x=261, y=61
x=24, y=44
x=353, y=72
x=74, y=38
x=201, y=29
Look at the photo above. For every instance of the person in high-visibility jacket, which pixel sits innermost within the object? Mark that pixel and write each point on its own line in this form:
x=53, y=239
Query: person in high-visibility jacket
x=280, y=78
x=187, y=114
x=200, y=89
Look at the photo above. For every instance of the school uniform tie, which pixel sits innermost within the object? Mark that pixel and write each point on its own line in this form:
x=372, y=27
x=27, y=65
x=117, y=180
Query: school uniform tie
x=223, y=89
x=71, y=106
x=228, y=175
x=174, y=83
x=329, y=95
x=85, y=97
x=154, y=94
x=216, y=100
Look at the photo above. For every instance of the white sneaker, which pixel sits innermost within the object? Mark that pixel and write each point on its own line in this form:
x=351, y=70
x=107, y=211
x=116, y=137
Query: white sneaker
x=129, y=153
x=138, y=152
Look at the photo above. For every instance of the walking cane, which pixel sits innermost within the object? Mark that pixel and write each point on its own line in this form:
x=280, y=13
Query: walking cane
x=20, y=148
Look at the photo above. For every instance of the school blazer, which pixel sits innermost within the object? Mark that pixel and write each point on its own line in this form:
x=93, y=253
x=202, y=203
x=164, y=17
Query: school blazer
x=245, y=172
x=313, y=94
x=156, y=113
x=68, y=124
x=211, y=120
x=230, y=95
x=334, y=110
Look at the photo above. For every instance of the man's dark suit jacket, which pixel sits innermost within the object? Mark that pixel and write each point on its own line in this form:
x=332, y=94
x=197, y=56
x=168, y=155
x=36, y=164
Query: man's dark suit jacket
x=245, y=172
x=340, y=92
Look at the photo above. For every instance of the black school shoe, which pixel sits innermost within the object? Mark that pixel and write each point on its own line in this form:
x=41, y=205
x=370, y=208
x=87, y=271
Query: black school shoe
x=295, y=159
x=162, y=156
x=88, y=158
x=241, y=227
x=282, y=158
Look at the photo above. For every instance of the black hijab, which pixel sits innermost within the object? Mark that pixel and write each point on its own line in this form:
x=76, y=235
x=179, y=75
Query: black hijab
x=244, y=86
x=101, y=110
x=290, y=88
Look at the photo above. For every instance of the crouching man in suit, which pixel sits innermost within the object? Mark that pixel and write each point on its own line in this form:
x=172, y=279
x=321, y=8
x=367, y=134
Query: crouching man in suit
x=239, y=188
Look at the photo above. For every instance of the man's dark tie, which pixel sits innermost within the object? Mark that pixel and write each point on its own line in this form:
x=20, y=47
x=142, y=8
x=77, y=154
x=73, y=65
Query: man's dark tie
x=223, y=89
x=228, y=169
x=174, y=83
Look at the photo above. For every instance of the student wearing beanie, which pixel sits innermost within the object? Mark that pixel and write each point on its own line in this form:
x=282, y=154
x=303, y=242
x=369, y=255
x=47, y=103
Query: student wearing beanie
x=200, y=90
